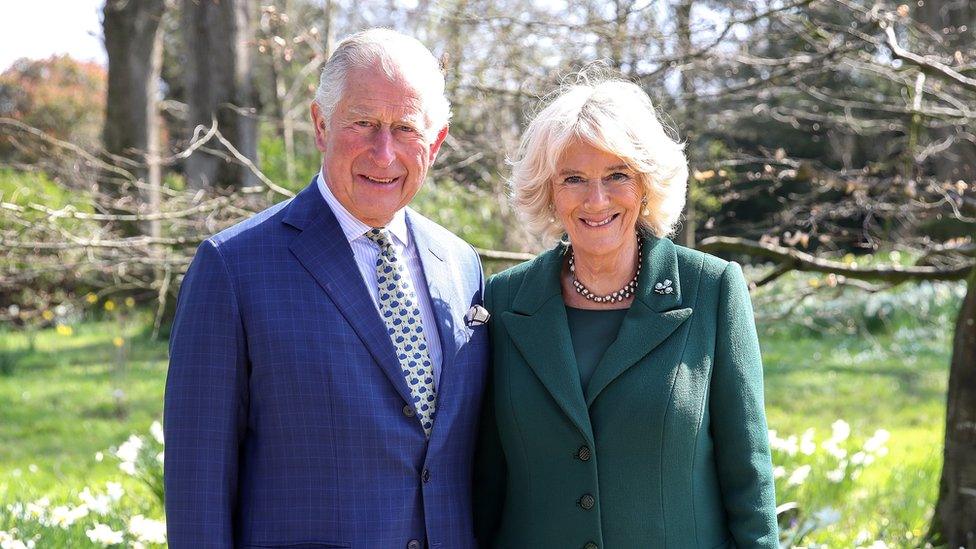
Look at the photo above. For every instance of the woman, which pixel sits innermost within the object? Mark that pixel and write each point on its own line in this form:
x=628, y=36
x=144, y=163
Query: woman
x=626, y=405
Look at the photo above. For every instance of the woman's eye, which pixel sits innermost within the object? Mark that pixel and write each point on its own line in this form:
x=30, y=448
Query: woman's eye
x=574, y=180
x=618, y=176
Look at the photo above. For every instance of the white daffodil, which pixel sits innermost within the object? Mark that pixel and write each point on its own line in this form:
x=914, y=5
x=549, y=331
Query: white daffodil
x=114, y=490
x=807, y=445
x=877, y=441
x=840, y=430
x=100, y=505
x=147, y=530
x=156, y=430
x=64, y=516
x=129, y=450
x=836, y=476
x=799, y=476
x=104, y=535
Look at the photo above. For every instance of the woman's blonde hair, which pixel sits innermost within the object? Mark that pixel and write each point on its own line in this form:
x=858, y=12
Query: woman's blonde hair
x=612, y=115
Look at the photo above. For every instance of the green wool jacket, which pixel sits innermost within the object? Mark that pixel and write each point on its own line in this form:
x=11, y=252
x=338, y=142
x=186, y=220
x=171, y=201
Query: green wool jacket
x=667, y=445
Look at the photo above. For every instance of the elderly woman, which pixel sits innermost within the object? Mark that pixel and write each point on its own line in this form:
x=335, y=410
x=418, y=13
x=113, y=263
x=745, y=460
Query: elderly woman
x=626, y=404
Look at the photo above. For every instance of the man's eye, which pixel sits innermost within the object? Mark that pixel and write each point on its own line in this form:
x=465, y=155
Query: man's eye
x=406, y=129
x=363, y=123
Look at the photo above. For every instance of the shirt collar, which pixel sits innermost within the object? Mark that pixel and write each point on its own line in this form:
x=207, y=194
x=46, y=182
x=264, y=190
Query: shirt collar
x=352, y=227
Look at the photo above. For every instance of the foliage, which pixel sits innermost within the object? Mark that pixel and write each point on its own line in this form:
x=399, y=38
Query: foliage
x=58, y=95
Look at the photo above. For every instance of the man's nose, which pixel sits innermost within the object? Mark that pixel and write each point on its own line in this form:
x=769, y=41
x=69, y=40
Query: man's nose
x=382, y=150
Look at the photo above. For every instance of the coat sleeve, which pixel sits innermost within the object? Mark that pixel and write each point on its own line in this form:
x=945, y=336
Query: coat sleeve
x=489, y=466
x=205, y=406
x=739, y=419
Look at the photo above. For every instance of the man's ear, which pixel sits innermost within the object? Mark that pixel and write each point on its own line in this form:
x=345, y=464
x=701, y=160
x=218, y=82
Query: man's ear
x=320, y=124
x=436, y=145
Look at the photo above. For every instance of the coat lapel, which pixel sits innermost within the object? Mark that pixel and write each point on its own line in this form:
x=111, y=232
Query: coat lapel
x=538, y=326
x=652, y=317
x=322, y=249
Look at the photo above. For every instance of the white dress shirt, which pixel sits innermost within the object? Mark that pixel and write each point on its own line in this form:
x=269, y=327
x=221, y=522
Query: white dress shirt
x=365, y=252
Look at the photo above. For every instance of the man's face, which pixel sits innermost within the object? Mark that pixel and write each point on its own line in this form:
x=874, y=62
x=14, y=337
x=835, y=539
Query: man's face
x=375, y=149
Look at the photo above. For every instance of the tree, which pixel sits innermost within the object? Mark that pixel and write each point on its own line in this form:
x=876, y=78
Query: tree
x=895, y=95
x=134, y=47
x=219, y=39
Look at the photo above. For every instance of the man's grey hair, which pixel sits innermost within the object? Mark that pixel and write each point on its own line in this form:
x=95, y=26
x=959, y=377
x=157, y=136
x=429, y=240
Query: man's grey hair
x=397, y=55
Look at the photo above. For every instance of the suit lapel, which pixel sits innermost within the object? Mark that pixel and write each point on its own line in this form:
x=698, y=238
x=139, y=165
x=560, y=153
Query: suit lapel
x=322, y=249
x=440, y=284
x=652, y=317
x=538, y=326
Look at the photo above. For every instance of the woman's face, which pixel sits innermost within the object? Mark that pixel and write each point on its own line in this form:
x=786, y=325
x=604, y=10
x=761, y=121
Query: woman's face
x=597, y=198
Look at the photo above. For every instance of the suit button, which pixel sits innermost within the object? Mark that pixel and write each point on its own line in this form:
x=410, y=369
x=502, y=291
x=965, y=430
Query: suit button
x=587, y=502
x=591, y=545
x=413, y=544
x=409, y=411
x=425, y=475
x=583, y=453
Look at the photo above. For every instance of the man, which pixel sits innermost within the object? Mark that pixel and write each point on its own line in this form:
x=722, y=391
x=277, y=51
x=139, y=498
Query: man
x=324, y=385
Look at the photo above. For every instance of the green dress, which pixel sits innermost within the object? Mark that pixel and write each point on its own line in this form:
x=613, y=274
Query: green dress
x=592, y=330
x=666, y=444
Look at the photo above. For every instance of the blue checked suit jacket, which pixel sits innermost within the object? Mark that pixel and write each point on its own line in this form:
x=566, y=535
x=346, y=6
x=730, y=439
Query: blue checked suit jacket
x=285, y=417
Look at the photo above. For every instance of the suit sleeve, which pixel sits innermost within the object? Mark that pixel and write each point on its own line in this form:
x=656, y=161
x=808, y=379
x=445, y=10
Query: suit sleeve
x=490, y=470
x=739, y=419
x=205, y=406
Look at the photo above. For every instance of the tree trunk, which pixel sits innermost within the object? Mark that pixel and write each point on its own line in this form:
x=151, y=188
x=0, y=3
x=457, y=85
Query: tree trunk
x=954, y=522
x=134, y=47
x=686, y=234
x=218, y=36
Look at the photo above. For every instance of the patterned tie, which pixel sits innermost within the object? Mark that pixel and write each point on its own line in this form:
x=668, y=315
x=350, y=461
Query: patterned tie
x=401, y=314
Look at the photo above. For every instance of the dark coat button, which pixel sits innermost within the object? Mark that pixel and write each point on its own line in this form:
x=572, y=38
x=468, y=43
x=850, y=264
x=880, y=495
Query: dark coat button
x=591, y=545
x=425, y=475
x=583, y=453
x=409, y=411
x=587, y=502
x=413, y=544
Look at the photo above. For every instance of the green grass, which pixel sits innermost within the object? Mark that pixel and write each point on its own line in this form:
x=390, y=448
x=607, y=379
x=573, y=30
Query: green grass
x=60, y=409
x=60, y=406
x=871, y=384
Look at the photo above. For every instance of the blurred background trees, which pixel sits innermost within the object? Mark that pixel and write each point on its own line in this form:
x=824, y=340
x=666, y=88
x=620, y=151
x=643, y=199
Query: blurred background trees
x=820, y=133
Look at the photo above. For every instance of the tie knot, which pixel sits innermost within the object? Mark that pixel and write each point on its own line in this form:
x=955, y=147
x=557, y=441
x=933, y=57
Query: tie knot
x=378, y=236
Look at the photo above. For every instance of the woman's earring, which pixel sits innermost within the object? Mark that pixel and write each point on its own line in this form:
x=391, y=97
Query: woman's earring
x=552, y=215
x=646, y=211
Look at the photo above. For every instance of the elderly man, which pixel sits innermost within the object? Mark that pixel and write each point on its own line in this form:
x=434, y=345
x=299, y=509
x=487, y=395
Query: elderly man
x=328, y=355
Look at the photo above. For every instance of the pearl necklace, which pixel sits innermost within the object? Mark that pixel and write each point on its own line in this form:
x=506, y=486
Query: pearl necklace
x=623, y=293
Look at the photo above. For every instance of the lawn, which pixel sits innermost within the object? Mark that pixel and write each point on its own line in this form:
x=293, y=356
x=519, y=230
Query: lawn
x=76, y=397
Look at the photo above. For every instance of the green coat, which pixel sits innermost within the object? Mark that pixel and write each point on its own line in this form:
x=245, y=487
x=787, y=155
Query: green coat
x=667, y=445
